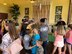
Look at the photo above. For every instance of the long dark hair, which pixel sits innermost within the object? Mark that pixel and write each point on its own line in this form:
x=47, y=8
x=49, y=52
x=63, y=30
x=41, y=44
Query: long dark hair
x=12, y=30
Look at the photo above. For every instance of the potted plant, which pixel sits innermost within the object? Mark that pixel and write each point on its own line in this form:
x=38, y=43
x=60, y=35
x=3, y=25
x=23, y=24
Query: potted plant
x=14, y=10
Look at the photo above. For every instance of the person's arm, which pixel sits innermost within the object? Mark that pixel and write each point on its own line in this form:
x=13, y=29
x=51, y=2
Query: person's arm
x=5, y=43
x=55, y=33
x=31, y=47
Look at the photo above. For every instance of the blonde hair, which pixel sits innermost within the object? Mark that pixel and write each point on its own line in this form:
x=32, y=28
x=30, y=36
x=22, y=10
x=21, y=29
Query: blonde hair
x=3, y=23
x=60, y=30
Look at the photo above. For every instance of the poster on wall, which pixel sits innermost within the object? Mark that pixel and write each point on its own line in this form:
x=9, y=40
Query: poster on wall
x=57, y=17
x=58, y=13
x=26, y=11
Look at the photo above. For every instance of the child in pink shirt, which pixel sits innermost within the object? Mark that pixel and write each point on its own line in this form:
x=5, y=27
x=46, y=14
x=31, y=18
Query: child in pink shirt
x=59, y=41
x=69, y=39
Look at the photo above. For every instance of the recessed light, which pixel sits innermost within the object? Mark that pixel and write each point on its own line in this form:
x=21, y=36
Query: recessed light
x=4, y=3
x=32, y=1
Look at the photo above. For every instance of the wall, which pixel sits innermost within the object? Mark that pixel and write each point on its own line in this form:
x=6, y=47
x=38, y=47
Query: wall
x=54, y=3
x=5, y=9
x=22, y=11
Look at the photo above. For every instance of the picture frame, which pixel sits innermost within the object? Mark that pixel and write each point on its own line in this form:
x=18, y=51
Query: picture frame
x=57, y=17
x=27, y=11
x=58, y=13
x=58, y=10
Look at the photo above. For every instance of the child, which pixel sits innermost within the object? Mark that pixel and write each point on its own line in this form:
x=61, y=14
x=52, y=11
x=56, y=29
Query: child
x=59, y=41
x=69, y=39
x=35, y=37
x=40, y=49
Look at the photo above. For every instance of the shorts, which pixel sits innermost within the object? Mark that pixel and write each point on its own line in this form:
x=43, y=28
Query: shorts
x=65, y=42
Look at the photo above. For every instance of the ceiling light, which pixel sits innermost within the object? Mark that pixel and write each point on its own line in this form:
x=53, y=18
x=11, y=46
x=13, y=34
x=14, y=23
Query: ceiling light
x=4, y=3
x=32, y=1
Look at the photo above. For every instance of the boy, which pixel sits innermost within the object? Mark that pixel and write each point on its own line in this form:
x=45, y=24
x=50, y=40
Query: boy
x=40, y=49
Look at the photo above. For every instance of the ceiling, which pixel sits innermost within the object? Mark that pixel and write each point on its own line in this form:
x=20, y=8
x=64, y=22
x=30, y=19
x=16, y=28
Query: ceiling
x=21, y=2
x=14, y=1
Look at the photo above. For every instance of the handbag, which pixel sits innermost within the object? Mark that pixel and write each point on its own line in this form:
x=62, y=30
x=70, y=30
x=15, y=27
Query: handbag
x=15, y=47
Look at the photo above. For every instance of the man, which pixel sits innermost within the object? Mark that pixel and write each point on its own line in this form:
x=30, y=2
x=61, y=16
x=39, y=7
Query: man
x=44, y=34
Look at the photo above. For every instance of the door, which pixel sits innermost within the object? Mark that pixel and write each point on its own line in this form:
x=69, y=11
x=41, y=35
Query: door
x=3, y=15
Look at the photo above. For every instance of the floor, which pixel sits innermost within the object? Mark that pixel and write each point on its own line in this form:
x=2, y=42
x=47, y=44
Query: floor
x=49, y=48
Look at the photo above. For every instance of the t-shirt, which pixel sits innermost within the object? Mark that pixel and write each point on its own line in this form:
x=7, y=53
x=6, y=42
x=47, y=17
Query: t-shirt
x=44, y=32
x=69, y=38
x=40, y=50
x=26, y=41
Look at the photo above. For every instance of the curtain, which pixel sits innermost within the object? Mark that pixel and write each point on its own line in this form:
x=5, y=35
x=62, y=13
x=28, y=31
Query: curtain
x=40, y=12
x=70, y=13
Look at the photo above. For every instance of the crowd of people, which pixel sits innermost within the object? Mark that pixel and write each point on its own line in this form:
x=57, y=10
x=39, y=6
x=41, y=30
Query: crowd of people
x=32, y=36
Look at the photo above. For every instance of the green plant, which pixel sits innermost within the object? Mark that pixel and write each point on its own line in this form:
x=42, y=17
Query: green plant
x=14, y=10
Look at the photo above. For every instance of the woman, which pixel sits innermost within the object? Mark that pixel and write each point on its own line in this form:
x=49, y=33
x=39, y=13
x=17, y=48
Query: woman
x=9, y=37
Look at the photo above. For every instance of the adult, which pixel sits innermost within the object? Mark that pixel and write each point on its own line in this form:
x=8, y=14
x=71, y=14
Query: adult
x=24, y=25
x=44, y=34
x=9, y=37
x=61, y=22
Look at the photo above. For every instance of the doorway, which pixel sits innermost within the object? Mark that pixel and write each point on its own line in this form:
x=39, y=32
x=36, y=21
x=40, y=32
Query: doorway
x=3, y=15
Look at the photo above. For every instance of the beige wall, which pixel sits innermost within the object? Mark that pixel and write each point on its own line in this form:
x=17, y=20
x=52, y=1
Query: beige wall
x=54, y=3
x=5, y=9
x=22, y=11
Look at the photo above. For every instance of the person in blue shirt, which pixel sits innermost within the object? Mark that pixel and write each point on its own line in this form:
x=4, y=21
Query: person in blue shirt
x=35, y=37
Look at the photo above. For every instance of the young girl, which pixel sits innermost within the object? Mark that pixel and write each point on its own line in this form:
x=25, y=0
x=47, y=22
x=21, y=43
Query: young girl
x=40, y=49
x=59, y=41
x=69, y=39
x=35, y=37
x=9, y=37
